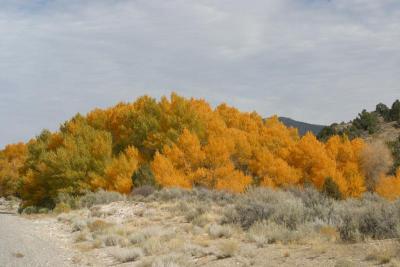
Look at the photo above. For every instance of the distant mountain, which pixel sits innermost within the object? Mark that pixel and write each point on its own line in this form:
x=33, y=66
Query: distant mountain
x=302, y=126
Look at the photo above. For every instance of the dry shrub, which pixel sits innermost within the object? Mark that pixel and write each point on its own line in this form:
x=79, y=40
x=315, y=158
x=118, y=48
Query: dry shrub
x=227, y=248
x=127, y=254
x=111, y=240
x=98, y=226
x=344, y=263
x=219, y=231
x=263, y=233
x=144, y=191
x=153, y=246
x=383, y=253
x=376, y=160
x=100, y=197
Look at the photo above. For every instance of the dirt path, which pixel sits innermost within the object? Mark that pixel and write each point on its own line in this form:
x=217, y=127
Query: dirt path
x=25, y=242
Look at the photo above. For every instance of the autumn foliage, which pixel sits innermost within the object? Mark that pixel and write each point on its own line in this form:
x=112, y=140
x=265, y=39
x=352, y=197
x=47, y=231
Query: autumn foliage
x=180, y=143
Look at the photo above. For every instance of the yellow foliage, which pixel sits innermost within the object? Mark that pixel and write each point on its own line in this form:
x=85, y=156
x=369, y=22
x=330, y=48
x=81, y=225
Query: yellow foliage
x=12, y=159
x=187, y=143
x=309, y=155
x=118, y=173
x=389, y=187
x=166, y=175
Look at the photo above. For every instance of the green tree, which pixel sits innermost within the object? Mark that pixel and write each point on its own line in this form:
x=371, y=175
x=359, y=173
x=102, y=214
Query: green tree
x=367, y=121
x=143, y=176
x=383, y=110
x=395, y=111
x=395, y=148
x=68, y=166
x=331, y=189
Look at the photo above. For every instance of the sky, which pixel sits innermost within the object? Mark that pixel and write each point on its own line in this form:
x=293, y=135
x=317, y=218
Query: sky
x=319, y=61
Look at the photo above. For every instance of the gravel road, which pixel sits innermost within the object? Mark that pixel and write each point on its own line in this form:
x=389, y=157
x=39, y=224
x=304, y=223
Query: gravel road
x=27, y=243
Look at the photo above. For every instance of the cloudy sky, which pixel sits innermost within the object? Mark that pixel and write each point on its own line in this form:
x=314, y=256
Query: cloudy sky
x=318, y=61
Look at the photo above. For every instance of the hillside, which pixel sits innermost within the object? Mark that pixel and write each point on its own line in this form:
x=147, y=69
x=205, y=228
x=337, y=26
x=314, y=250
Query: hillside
x=383, y=123
x=303, y=127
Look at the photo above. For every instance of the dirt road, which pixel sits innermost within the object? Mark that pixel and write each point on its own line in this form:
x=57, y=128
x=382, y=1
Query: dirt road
x=26, y=242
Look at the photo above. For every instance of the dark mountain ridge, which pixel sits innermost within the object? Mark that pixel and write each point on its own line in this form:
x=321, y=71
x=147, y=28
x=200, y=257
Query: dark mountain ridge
x=303, y=127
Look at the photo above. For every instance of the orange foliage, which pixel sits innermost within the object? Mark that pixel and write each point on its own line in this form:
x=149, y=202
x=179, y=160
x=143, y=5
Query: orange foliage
x=187, y=143
x=389, y=187
x=12, y=159
x=118, y=173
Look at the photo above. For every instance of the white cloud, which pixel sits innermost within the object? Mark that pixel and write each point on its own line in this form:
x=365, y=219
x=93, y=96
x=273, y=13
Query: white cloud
x=313, y=60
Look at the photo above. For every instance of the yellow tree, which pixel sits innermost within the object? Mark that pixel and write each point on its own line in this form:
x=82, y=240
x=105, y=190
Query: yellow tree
x=118, y=173
x=349, y=176
x=389, y=187
x=12, y=159
x=310, y=157
x=273, y=171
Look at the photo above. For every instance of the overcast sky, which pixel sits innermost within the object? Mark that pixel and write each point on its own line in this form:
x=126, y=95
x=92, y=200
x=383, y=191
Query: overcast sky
x=318, y=61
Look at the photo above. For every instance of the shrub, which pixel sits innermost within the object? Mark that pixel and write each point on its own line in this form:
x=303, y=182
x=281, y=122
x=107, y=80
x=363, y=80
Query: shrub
x=263, y=233
x=261, y=204
x=29, y=210
x=78, y=225
x=98, y=226
x=62, y=208
x=127, y=254
x=370, y=217
x=111, y=240
x=348, y=228
x=153, y=246
x=144, y=191
x=380, y=222
x=218, y=231
x=100, y=197
x=227, y=248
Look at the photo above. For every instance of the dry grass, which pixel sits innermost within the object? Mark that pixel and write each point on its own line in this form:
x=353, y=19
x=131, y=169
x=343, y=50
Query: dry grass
x=219, y=231
x=383, y=253
x=127, y=254
x=227, y=248
x=98, y=226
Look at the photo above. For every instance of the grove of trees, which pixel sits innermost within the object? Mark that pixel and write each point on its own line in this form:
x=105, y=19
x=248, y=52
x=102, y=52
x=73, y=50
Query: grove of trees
x=179, y=142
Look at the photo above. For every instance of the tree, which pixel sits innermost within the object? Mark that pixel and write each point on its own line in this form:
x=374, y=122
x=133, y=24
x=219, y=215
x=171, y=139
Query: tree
x=376, y=160
x=331, y=189
x=12, y=160
x=118, y=173
x=395, y=111
x=68, y=167
x=395, y=148
x=389, y=187
x=383, y=110
x=309, y=155
x=367, y=121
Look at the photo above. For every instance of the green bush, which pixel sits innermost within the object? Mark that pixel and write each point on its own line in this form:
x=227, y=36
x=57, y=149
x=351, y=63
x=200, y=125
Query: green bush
x=331, y=189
